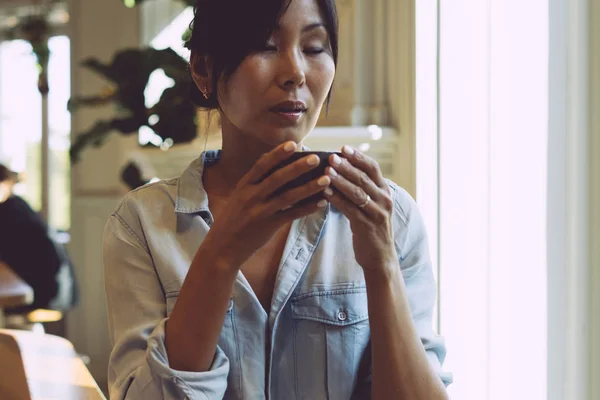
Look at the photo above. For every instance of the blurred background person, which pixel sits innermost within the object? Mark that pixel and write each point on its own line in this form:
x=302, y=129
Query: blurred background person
x=28, y=248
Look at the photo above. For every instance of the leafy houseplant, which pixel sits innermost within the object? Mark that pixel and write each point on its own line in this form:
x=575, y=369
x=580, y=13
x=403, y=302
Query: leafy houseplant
x=173, y=117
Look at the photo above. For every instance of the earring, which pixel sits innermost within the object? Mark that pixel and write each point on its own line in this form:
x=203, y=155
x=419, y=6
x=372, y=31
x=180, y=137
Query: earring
x=205, y=93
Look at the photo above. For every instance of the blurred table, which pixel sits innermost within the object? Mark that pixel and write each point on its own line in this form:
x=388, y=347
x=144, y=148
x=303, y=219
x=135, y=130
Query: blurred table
x=36, y=366
x=13, y=291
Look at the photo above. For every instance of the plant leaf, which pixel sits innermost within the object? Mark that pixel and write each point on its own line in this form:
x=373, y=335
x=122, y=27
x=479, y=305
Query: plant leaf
x=97, y=135
x=88, y=101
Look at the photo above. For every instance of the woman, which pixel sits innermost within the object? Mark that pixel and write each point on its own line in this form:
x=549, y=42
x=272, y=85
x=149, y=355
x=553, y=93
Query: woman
x=216, y=289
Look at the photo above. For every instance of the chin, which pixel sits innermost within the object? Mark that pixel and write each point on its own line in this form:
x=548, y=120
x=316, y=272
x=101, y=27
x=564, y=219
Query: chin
x=276, y=136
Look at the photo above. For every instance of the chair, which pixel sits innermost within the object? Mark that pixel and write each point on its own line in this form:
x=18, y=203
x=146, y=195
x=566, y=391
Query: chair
x=13, y=385
x=41, y=366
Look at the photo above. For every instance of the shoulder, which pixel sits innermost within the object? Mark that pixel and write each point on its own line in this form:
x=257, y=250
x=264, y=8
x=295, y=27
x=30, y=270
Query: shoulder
x=17, y=202
x=407, y=221
x=147, y=202
x=405, y=206
x=18, y=210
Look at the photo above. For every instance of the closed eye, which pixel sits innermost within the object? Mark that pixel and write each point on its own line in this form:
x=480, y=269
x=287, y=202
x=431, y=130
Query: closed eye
x=314, y=50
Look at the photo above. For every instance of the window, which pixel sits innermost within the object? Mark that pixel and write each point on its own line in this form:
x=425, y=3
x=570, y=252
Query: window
x=21, y=124
x=482, y=187
x=21, y=116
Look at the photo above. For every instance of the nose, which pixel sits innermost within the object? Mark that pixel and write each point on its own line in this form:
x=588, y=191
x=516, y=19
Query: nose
x=292, y=72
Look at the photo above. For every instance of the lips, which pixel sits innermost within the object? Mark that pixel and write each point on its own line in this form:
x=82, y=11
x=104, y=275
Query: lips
x=290, y=107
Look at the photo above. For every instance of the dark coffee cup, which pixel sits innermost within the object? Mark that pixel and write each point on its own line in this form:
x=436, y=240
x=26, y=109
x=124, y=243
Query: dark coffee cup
x=303, y=179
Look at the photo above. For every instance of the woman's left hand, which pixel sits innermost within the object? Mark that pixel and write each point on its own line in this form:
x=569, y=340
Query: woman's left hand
x=364, y=197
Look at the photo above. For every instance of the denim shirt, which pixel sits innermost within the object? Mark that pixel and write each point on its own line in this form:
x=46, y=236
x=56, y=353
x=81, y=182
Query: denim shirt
x=314, y=341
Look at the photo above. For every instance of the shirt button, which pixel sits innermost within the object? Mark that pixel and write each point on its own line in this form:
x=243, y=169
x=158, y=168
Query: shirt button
x=342, y=316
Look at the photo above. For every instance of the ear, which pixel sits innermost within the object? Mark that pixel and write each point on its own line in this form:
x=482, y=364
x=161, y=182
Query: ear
x=201, y=69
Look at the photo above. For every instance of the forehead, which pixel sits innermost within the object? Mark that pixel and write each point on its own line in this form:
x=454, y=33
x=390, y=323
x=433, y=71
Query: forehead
x=300, y=12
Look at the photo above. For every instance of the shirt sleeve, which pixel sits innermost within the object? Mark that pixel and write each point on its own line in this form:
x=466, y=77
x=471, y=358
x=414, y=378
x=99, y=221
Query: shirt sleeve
x=413, y=251
x=139, y=365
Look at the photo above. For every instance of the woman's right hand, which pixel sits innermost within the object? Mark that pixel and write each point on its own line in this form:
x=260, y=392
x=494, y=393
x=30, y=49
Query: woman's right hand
x=252, y=214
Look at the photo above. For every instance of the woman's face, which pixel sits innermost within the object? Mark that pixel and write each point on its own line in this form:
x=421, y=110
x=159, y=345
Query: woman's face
x=277, y=94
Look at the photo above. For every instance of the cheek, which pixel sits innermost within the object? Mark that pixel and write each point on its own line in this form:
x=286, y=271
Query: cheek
x=234, y=97
x=243, y=91
x=322, y=80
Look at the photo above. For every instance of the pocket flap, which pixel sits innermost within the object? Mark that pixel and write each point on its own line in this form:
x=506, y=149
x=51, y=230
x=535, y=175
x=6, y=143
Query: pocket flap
x=336, y=307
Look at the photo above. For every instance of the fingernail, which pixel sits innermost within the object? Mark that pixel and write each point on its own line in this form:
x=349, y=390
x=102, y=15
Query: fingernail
x=328, y=192
x=313, y=160
x=322, y=203
x=336, y=159
x=332, y=172
x=348, y=150
x=324, y=181
x=289, y=146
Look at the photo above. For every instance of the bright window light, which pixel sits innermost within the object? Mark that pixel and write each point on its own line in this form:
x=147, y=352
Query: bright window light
x=491, y=215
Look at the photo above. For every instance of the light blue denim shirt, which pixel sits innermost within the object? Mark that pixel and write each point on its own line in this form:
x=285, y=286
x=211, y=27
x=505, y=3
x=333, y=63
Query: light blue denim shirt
x=314, y=341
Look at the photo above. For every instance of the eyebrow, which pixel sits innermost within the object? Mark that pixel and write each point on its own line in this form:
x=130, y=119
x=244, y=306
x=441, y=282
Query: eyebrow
x=313, y=26
x=307, y=28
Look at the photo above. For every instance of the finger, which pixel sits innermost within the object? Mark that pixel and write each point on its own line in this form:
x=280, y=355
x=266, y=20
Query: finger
x=355, y=176
x=268, y=161
x=366, y=164
x=353, y=192
x=292, y=196
x=288, y=173
x=347, y=207
x=293, y=213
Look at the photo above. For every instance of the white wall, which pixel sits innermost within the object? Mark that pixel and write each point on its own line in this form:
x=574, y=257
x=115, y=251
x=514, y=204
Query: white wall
x=97, y=28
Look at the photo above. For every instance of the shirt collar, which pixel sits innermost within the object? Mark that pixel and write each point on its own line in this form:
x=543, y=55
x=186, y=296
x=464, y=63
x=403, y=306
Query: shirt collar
x=191, y=195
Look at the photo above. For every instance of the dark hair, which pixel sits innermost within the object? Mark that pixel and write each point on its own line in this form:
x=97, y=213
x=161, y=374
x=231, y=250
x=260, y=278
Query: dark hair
x=6, y=174
x=227, y=31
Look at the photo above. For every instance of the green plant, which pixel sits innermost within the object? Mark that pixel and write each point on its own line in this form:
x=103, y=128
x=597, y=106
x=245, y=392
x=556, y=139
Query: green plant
x=173, y=117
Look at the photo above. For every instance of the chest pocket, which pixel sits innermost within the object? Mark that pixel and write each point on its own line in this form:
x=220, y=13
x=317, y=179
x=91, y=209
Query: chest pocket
x=331, y=332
